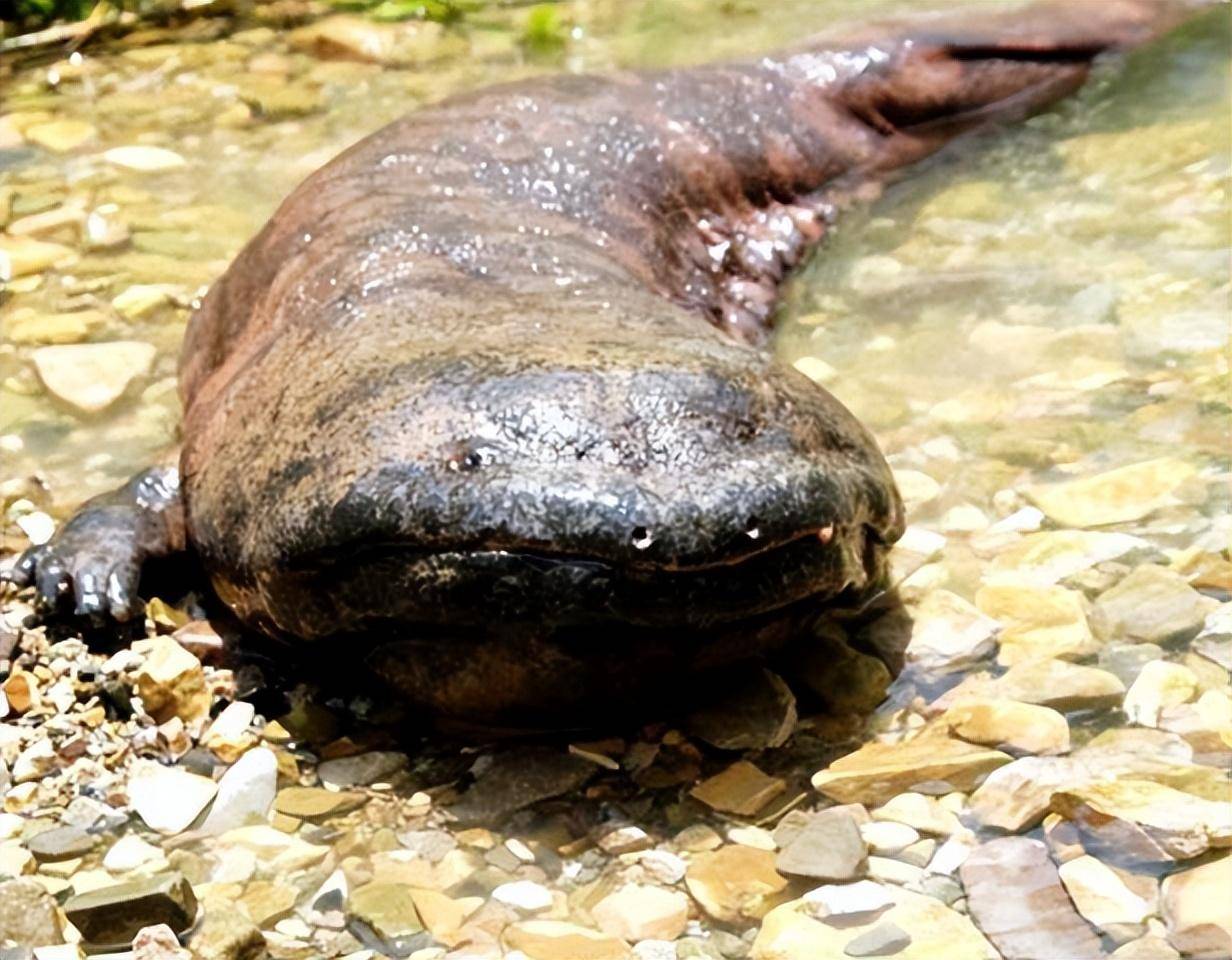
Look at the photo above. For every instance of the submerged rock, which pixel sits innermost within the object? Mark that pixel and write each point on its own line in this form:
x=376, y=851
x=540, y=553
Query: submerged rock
x=1151, y=605
x=1016, y=898
x=1104, y=899
x=1195, y=907
x=28, y=914
x=1009, y=725
x=741, y=789
x=92, y=376
x=735, y=883
x=828, y=847
x=878, y=771
x=115, y=914
x=1117, y=496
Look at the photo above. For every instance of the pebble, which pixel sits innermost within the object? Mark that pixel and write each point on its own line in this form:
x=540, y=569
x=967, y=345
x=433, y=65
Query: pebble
x=1061, y=685
x=923, y=813
x=828, y=847
x=387, y=908
x=28, y=914
x=1051, y=556
x=22, y=256
x=734, y=883
x=518, y=778
x=171, y=683
x=245, y=793
x=144, y=159
x=884, y=940
x=1016, y=898
x=61, y=843
x=129, y=853
x=114, y=915
x=228, y=736
x=166, y=798
x=313, y=803
x=887, y=838
x=638, y=912
x=1151, y=605
x=1195, y=907
x=878, y=771
x=158, y=942
x=850, y=903
x=277, y=853
x=53, y=327
x=1038, y=621
x=361, y=770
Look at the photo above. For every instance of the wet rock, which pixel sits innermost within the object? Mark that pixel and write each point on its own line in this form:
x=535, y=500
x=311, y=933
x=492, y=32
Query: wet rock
x=793, y=932
x=1060, y=685
x=525, y=896
x=129, y=853
x=885, y=838
x=843, y=680
x=61, y=843
x=158, y=942
x=948, y=633
x=388, y=909
x=1126, y=660
x=92, y=376
x=517, y=779
x=754, y=714
x=1038, y=621
x=1195, y=907
x=923, y=813
x=1016, y=898
x=1052, y=556
x=637, y=912
x=358, y=38
x=116, y=914
x=361, y=770
x=741, y=789
x=1151, y=605
x=225, y=936
x=52, y=328
x=1117, y=496
x=144, y=159
x=22, y=256
x=829, y=847
x=61, y=136
x=1146, y=948
x=558, y=940
x=1009, y=725
x=884, y=940
x=276, y=852
x=849, y=903
x=28, y=914
x=1017, y=796
x=168, y=799
x=228, y=737
x=313, y=803
x=171, y=683
x=734, y=883
x=878, y=771
x=1122, y=813
x=245, y=793
x=1160, y=686
x=1103, y=898
x=266, y=902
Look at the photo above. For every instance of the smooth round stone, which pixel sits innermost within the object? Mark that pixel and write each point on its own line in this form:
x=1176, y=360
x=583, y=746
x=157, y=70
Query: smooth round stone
x=61, y=843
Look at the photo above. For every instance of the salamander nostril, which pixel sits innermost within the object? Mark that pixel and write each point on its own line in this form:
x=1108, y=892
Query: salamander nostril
x=641, y=538
x=752, y=529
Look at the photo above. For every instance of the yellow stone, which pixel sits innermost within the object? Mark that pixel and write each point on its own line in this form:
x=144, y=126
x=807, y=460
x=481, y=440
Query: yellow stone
x=735, y=883
x=741, y=789
x=558, y=940
x=1196, y=908
x=791, y=932
x=1022, y=727
x=878, y=771
x=1159, y=685
x=171, y=683
x=20, y=256
x=1117, y=496
x=443, y=916
x=52, y=327
x=92, y=376
x=1039, y=621
x=60, y=136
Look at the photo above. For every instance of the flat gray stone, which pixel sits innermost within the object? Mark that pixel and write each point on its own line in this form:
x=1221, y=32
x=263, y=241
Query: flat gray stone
x=60, y=843
x=361, y=770
x=828, y=847
x=884, y=940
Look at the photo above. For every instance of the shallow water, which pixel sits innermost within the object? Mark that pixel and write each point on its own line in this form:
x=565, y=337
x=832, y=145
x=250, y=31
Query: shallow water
x=1024, y=314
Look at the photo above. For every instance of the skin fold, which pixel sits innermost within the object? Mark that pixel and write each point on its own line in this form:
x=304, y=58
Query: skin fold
x=489, y=401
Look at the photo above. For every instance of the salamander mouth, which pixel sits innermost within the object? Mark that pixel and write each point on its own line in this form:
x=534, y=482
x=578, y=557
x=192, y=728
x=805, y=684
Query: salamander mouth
x=365, y=587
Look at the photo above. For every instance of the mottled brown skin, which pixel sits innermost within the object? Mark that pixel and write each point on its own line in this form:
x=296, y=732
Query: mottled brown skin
x=487, y=398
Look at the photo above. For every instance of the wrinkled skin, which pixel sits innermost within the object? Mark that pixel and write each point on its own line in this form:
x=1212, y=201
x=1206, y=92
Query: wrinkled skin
x=488, y=397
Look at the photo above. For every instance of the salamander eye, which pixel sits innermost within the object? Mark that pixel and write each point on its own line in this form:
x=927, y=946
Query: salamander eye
x=641, y=538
